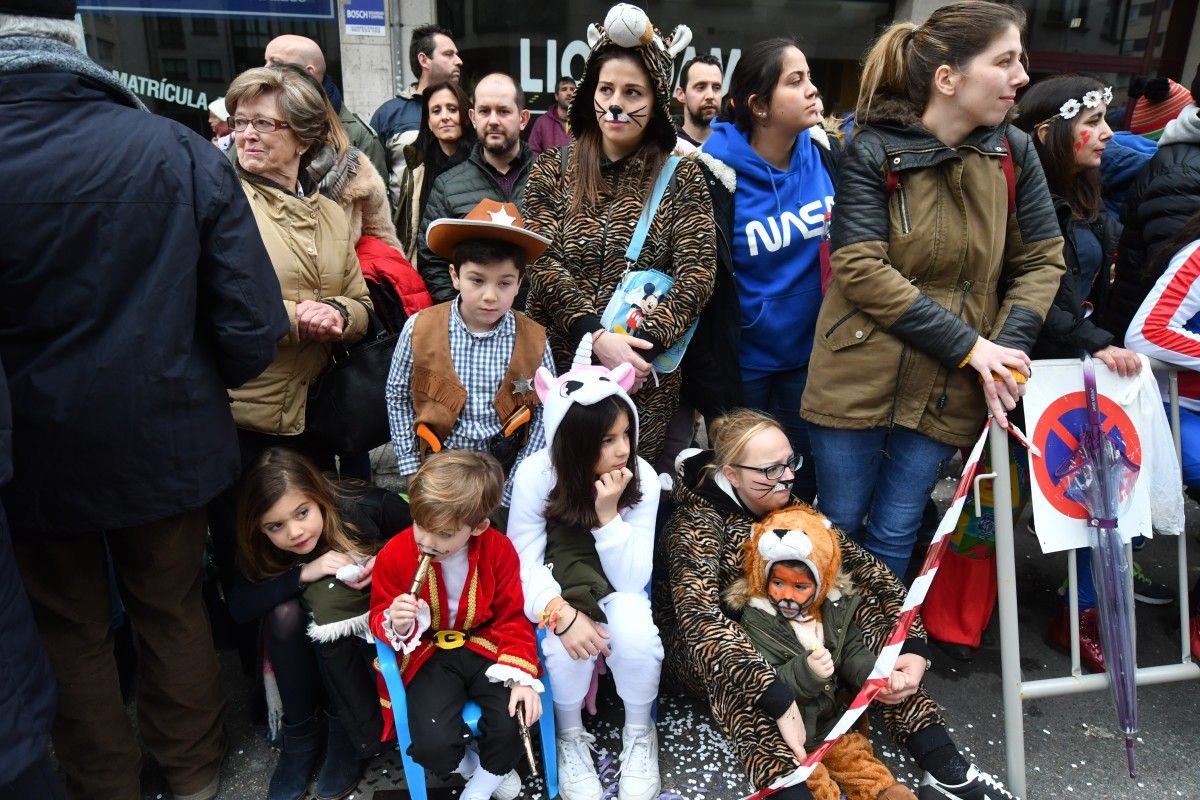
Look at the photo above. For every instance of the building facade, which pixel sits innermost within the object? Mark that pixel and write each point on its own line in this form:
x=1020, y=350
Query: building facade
x=180, y=54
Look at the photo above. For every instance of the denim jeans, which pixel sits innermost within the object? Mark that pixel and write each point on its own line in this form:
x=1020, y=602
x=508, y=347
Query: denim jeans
x=778, y=394
x=1189, y=432
x=883, y=476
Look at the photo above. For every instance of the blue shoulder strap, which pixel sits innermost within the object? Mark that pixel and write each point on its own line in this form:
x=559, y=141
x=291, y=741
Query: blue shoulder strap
x=656, y=195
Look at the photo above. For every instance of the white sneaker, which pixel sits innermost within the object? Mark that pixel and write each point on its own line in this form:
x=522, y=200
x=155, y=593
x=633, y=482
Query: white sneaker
x=577, y=778
x=639, y=764
x=510, y=788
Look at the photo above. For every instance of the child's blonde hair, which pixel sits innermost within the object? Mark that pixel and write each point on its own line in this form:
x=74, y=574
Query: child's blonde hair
x=730, y=434
x=455, y=488
x=278, y=471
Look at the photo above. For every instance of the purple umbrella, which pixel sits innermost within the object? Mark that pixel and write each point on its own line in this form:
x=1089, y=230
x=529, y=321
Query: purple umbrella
x=1100, y=477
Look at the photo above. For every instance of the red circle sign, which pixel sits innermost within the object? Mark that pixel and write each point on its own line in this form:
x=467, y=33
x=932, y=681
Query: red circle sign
x=1057, y=436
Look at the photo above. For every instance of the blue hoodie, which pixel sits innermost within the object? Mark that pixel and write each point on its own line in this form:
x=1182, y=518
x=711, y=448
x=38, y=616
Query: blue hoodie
x=778, y=221
x=1122, y=161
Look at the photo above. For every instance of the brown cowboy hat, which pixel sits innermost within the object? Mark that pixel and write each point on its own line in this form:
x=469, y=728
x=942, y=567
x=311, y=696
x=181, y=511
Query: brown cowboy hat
x=488, y=220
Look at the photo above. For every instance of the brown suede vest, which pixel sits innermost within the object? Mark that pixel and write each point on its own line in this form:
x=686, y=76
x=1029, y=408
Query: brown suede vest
x=438, y=395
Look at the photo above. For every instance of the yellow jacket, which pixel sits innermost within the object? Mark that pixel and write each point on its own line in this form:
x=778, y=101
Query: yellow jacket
x=309, y=243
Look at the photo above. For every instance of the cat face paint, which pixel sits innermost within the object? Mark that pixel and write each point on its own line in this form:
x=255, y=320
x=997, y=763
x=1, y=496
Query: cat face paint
x=616, y=113
x=623, y=104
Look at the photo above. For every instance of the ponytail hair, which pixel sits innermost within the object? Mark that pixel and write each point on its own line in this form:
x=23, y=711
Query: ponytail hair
x=902, y=62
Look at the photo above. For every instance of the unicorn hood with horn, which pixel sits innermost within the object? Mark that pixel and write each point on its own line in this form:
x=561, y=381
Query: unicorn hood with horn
x=584, y=384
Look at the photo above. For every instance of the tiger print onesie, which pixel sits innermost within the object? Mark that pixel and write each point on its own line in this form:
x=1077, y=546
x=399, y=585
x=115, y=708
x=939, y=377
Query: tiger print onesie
x=573, y=280
x=709, y=655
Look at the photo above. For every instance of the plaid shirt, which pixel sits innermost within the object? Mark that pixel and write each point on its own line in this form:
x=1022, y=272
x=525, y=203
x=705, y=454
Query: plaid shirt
x=480, y=361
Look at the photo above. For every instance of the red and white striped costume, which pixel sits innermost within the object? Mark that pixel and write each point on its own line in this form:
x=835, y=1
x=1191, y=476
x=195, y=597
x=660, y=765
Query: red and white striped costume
x=1167, y=326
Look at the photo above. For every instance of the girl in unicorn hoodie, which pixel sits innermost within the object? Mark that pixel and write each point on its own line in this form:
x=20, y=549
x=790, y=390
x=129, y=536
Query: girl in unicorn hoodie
x=582, y=521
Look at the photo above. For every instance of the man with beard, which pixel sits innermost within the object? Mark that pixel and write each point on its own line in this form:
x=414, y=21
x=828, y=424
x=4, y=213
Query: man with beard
x=699, y=91
x=552, y=129
x=497, y=168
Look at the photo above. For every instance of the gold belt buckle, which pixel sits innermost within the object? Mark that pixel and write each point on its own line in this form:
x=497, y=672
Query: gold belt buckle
x=449, y=640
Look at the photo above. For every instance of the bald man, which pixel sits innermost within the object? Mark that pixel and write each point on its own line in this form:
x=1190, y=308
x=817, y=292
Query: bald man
x=300, y=50
x=497, y=168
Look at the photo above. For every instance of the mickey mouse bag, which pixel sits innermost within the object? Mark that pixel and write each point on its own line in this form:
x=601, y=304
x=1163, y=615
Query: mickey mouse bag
x=640, y=291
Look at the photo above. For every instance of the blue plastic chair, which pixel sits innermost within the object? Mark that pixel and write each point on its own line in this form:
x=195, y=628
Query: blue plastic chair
x=414, y=773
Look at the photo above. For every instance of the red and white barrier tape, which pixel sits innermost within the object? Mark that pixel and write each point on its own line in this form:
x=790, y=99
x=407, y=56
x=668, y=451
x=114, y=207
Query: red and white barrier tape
x=908, y=612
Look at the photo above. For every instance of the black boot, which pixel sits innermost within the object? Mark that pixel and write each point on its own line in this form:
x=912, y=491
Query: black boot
x=301, y=746
x=342, y=769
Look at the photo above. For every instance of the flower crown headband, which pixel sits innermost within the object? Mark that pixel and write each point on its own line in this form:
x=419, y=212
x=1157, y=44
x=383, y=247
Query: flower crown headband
x=1091, y=99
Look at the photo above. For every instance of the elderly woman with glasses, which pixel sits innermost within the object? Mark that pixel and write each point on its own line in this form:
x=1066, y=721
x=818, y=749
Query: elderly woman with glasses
x=279, y=119
x=719, y=495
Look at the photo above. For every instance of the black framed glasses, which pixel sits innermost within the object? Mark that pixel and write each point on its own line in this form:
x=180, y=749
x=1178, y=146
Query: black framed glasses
x=774, y=472
x=260, y=124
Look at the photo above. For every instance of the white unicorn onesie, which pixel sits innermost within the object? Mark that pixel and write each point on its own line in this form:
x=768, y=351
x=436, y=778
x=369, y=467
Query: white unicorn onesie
x=624, y=546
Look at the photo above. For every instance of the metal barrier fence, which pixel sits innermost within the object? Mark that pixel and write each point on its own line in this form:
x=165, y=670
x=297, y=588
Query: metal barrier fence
x=1015, y=690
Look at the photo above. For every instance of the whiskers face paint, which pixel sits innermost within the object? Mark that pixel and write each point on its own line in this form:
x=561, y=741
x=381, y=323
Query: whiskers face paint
x=763, y=489
x=616, y=113
x=789, y=609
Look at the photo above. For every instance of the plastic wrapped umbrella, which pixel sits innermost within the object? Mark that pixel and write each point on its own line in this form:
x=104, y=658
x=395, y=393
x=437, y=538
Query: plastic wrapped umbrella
x=1100, y=477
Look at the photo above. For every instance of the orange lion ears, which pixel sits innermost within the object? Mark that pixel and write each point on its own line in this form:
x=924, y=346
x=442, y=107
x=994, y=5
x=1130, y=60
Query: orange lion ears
x=796, y=533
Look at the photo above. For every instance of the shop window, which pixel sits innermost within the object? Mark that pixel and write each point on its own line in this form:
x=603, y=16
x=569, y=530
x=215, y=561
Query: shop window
x=209, y=69
x=170, y=32
x=175, y=69
x=104, y=51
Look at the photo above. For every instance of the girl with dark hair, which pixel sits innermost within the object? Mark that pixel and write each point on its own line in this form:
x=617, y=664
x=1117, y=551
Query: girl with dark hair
x=295, y=529
x=771, y=143
x=1066, y=118
x=587, y=199
x=582, y=520
x=444, y=140
x=1167, y=327
x=946, y=255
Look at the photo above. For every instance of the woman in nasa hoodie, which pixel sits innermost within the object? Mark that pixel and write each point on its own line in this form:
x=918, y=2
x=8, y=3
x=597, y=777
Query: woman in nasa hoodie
x=771, y=155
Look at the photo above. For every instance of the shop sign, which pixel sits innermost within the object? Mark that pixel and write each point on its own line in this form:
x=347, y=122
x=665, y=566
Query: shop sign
x=162, y=90
x=292, y=9
x=531, y=80
x=365, y=18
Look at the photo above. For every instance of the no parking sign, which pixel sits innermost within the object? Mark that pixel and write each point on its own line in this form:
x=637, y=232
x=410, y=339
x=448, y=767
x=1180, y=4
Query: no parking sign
x=1055, y=413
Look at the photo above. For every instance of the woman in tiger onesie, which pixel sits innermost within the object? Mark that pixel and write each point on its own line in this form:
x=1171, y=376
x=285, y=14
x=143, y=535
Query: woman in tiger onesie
x=587, y=198
x=719, y=495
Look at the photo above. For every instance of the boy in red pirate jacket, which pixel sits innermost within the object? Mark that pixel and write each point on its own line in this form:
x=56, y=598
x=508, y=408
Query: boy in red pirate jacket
x=462, y=373
x=464, y=636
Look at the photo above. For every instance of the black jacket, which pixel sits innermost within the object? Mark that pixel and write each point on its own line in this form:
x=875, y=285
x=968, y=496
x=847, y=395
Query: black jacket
x=134, y=289
x=1067, y=333
x=1161, y=199
x=712, y=381
x=455, y=192
x=26, y=682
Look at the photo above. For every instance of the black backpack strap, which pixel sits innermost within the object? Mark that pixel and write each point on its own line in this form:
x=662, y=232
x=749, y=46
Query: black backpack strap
x=564, y=155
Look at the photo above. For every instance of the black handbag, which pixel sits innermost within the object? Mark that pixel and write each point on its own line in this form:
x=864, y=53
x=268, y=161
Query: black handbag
x=347, y=410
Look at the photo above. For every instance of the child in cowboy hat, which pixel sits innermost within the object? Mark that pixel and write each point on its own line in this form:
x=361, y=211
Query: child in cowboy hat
x=462, y=374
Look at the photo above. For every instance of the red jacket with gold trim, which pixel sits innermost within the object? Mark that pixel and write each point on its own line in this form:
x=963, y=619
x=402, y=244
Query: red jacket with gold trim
x=490, y=610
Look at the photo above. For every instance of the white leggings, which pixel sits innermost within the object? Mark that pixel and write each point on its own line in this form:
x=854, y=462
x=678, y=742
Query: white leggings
x=635, y=662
